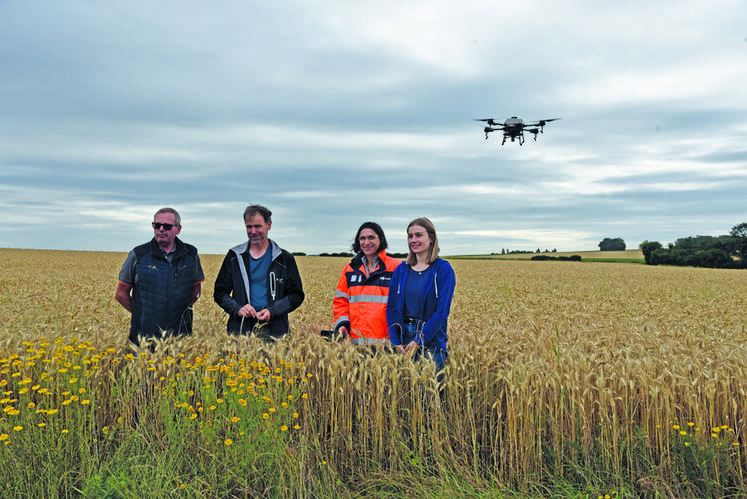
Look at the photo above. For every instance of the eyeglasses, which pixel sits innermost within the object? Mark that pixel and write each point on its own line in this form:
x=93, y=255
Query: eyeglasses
x=156, y=225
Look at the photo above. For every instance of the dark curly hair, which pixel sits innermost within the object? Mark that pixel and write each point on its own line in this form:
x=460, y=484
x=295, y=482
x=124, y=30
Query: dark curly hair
x=379, y=232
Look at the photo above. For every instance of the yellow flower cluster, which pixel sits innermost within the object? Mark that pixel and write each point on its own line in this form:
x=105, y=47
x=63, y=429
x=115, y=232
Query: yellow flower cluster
x=59, y=378
x=33, y=383
x=230, y=396
x=723, y=432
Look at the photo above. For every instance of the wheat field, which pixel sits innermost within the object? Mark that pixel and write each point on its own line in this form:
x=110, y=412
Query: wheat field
x=602, y=376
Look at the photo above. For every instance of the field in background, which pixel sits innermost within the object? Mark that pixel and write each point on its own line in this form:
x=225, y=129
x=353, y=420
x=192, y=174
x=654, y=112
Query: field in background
x=563, y=376
x=634, y=255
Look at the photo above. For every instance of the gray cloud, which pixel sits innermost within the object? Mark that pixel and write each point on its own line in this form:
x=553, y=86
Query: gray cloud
x=335, y=113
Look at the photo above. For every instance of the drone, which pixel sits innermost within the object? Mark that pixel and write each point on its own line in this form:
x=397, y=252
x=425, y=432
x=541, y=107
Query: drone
x=514, y=128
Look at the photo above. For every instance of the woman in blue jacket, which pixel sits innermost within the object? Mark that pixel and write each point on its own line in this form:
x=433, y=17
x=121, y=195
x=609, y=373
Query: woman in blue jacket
x=420, y=297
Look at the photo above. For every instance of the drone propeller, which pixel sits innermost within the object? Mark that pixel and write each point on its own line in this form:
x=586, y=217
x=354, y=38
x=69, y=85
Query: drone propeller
x=545, y=122
x=541, y=124
x=489, y=121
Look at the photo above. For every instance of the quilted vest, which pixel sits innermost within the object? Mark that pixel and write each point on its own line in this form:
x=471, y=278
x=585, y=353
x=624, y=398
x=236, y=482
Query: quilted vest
x=162, y=296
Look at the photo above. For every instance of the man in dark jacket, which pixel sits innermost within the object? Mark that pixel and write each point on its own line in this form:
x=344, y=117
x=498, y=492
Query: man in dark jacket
x=258, y=284
x=165, y=278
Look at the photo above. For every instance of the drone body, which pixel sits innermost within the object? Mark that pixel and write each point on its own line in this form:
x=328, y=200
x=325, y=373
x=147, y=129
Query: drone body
x=513, y=128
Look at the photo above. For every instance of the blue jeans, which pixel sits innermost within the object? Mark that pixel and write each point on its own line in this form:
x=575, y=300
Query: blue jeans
x=409, y=331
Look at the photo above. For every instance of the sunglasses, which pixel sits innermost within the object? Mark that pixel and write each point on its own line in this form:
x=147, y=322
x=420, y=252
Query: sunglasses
x=156, y=225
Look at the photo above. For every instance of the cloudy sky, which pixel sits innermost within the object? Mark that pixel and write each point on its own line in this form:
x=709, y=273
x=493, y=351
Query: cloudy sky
x=332, y=112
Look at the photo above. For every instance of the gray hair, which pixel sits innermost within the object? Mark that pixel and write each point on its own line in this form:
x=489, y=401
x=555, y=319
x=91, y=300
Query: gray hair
x=177, y=217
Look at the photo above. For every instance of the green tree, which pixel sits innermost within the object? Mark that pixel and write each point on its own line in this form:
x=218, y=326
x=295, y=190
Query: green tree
x=648, y=248
x=608, y=244
x=739, y=233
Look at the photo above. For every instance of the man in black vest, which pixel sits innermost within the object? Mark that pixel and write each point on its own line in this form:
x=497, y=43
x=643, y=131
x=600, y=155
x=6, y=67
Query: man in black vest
x=160, y=280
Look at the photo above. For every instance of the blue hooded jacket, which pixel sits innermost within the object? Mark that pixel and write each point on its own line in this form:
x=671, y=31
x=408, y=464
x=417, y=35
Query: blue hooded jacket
x=434, y=306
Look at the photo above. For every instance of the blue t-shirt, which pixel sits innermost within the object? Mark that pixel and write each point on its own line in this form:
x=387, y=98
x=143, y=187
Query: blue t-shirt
x=414, y=286
x=258, y=270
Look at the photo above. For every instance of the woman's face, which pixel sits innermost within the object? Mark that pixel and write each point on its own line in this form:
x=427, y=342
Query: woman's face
x=418, y=240
x=369, y=242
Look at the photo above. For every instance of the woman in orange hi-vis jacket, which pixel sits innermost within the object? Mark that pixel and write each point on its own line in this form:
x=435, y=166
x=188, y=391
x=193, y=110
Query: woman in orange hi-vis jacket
x=360, y=298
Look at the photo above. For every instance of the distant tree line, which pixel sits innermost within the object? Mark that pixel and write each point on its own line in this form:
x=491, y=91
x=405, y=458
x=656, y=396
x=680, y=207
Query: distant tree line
x=505, y=251
x=572, y=258
x=716, y=252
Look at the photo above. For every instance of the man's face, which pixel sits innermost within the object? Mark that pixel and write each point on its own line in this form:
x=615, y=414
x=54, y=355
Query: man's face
x=257, y=229
x=165, y=238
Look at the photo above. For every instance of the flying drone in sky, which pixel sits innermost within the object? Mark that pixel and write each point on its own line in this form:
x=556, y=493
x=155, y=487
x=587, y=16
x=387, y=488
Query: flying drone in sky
x=513, y=128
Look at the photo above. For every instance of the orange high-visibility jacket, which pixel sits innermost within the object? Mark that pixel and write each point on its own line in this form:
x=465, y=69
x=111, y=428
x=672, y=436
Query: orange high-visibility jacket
x=360, y=299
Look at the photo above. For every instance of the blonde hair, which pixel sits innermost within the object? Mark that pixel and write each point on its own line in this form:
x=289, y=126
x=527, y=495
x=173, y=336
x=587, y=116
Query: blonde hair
x=433, y=250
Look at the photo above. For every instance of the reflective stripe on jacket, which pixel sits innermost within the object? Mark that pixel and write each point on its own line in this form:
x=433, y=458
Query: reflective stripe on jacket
x=360, y=299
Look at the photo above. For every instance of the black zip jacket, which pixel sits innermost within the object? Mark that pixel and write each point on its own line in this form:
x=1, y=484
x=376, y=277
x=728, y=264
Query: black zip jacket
x=232, y=290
